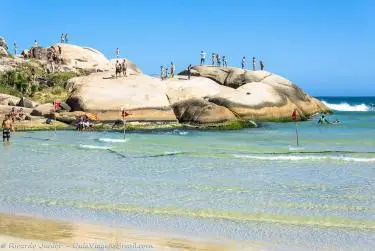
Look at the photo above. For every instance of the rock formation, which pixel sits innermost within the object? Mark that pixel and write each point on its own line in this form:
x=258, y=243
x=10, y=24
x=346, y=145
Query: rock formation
x=3, y=47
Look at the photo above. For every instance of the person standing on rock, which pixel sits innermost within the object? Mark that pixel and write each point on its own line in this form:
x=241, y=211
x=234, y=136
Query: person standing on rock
x=203, y=57
x=117, y=53
x=7, y=128
x=172, y=70
x=162, y=72
x=225, y=62
x=125, y=67
x=213, y=59
x=62, y=40
x=15, y=47
x=261, y=65
x=254, y=63
x=66, y=38
x=243, y=63
x=218, y=60
x=35, y=43
x=118, y=68
x=189, y=71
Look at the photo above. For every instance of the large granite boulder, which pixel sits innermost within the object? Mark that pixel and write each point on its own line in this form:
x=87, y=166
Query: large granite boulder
x=200, y=111
x=3, y=52
x=76, y=57
x=143, y=96
x=43, y=110
x=6, y=99
x=27, y=103
x=259, y=95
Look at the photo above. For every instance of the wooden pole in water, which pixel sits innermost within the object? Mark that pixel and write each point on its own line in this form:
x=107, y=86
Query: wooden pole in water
x=297, y=135
x=124, y=122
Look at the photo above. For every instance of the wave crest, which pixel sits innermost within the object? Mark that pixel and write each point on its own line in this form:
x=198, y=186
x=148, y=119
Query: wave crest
x=345, y=107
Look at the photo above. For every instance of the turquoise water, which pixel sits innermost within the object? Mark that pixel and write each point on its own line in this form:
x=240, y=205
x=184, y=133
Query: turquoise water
x=252, y=184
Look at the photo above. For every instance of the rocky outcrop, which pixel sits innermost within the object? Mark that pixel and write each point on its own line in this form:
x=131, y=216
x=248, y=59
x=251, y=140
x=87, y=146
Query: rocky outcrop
x=43, y=110
x=27, y=103
x=144, y=97
x=6, y=99
x=200, y=111
x=84, y=58
x=3, y=47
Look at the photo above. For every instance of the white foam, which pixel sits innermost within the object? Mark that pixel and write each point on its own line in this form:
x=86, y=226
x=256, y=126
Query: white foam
x=94, y=147
x=299, y=158
x=345, y=107
x=111, y=140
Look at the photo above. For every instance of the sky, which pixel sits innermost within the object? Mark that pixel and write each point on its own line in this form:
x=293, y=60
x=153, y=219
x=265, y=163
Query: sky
x=327, y=47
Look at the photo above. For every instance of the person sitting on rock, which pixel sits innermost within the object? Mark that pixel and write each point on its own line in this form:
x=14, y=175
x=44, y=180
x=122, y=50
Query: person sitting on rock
x=218, y=60
x=118, y=68
x=243, y=63
x=13, y=114
x=125, y=67
x=261, y=65
x=21, y=115
x=225, y=63
x=213, y=59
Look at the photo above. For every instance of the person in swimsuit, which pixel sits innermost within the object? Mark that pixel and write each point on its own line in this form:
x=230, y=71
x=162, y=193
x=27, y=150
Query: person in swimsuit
x=189, y=71
x=125, y=67
x=7, y=128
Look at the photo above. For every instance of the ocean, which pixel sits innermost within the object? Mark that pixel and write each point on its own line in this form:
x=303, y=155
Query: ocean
x=252, y=185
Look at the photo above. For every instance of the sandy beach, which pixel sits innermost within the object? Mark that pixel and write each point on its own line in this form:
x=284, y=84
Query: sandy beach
x=25, y=232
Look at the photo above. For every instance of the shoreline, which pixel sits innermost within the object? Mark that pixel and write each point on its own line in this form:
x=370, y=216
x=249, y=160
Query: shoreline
x=20, y=232
x=40, y=125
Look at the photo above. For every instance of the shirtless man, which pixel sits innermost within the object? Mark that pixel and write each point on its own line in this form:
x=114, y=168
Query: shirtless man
x=7, y=128
x=118, y=68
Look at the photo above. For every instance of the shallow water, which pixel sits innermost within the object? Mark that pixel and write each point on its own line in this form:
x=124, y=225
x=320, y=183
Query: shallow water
x=252, y=184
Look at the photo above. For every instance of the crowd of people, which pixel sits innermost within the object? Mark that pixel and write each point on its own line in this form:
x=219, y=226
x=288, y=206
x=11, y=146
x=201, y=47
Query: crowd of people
x=217, y=60
x=166, y=73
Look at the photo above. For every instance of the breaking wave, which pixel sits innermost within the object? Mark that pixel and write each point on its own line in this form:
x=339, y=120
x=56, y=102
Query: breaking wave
x=94, y=147
x=111, y=140
x=305, y=157
x=345, y=107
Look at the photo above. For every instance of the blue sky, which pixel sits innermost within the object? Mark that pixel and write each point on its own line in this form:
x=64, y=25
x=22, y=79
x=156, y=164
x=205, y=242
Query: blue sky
x=326, y=47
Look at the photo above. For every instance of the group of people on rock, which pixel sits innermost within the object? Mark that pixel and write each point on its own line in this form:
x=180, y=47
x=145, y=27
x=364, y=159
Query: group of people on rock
x=121, y=68
x=83, y=123
x=164, y=73
x=64, y=38
x=219, y=61
x=243, y=64
x=17, y=115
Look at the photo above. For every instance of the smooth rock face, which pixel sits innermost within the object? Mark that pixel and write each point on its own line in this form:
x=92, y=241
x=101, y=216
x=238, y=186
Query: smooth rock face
x=77, y=57
x=200, y=111
x=143, y=96
x=6, y=99
x=27, y=103
x=43, y=110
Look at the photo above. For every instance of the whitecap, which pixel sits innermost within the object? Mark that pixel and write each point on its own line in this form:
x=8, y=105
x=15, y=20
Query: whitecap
x=301, y=158
x=345, y=107
x=111, y=140
x=94, y=147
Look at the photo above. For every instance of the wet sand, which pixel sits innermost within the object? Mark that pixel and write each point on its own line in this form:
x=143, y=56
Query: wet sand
x=25, y=232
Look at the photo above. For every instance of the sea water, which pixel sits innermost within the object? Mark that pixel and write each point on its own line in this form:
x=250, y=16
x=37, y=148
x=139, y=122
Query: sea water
x=246, y=185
